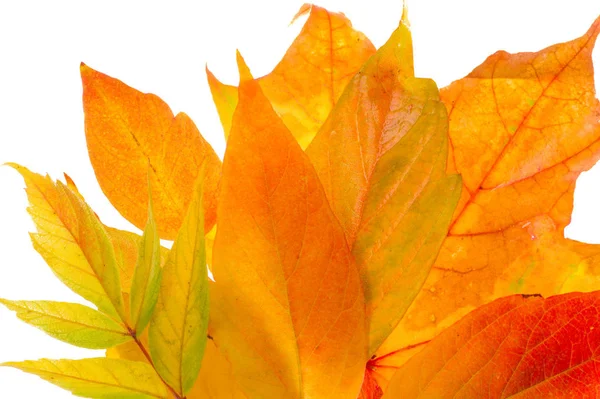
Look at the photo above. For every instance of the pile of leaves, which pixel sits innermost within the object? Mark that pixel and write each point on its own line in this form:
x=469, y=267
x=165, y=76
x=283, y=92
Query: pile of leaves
x=369, y=235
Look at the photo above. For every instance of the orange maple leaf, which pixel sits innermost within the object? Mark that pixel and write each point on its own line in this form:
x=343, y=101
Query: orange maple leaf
x=522, y=129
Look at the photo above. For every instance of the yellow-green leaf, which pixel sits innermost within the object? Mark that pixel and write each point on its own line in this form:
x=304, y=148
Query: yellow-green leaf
x=126, y=245
x=146, y=277
x=100, y=378
x=73, y=242
x=72, y=323
x=381, y=156
x=179, y=324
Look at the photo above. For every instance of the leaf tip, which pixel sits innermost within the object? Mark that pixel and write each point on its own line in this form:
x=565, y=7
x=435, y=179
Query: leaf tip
x=10, y=164
x=594, y=30
x=85, y=71
x=304, y=9
x=23, y=171
x=404, y=19
x=243, y=69
x=83, y=68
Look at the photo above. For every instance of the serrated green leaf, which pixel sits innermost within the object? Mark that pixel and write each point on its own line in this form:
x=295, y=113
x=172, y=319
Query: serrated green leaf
x=99, y=378
x=72, y=323
x=146, y=277
x=73, y=242
x=179, y=324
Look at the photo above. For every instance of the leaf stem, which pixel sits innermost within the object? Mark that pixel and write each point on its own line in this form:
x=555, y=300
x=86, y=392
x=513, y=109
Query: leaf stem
x=147, y=356
x=375, y=360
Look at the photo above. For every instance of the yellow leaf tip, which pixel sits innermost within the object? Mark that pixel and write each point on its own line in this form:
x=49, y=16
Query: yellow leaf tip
x=243, y=69
x=85, y=70
x=10, y=164
x=211, y=77
x=404, y=19
x=19, y=168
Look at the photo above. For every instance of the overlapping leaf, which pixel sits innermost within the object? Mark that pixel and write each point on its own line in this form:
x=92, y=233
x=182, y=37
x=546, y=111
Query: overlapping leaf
x=73, y=242
x=518, y=347
x=147, y=275
x=125, y=243
x=179, y=323
x=287, y=307
x=128, y=132
x=307, y=82
x=71, y=322
x=381, y=156
x=522, y=128
x=215, y=380
x=98, y=377
x=289, y=317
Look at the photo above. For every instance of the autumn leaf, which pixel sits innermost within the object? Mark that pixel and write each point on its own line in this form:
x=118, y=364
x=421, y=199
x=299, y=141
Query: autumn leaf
x=319, y=256
x=381, y=156
x=179, y=323
x=287, y=306
x=214, y=381
x=125, y=243
x=313, y=73
x=98, y=377
x=519, y=172
x=72, y=323
x=370, y=387
x=73, y=242
x=518, y=346
x=128, y=132
x=147, y=275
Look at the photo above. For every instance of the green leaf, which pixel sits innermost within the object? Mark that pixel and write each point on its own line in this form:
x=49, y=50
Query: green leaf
x=147, y=274
x=179, y=324
x=98, y=377
x=405, y=220
x=72, y=323
x=73, y=242
x=387, y=136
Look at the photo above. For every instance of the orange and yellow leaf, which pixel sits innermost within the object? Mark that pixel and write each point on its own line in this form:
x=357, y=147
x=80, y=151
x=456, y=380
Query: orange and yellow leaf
x=522, y=128
x=307, y=82
x=128, y=132
x=287, y=307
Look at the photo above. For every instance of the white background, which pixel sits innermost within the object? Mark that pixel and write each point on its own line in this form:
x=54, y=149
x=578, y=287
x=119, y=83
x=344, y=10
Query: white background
x=162, y=48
